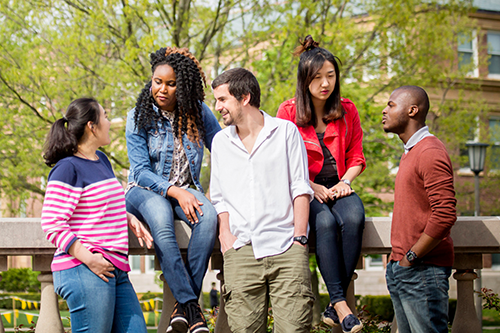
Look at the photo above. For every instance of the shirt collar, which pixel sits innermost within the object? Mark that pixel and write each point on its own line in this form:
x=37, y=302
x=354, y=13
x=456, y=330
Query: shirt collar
x=269, y=125
x=416, y=138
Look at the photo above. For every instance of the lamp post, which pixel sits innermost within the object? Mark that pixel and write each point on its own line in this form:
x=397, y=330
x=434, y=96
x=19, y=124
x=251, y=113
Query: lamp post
x=477, y=155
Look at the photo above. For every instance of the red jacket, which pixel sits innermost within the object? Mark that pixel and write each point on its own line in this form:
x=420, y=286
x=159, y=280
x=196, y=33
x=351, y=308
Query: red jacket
x=343, y=137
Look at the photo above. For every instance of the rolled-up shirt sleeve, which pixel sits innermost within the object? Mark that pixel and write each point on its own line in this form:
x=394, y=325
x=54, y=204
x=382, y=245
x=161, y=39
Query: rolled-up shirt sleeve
x=297, y=164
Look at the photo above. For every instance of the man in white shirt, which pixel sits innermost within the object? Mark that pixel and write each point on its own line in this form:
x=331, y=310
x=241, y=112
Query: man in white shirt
x=260, y=189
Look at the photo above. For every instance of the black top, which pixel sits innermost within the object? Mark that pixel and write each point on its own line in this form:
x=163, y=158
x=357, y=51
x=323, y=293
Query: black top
x=328, y=173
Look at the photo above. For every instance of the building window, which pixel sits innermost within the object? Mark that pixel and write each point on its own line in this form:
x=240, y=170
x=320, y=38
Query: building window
x=494, y=53
x=135, y=263
x=495, y=261
x=141, y=264
x=374, y=262
x=494, y=127
x=467, y=49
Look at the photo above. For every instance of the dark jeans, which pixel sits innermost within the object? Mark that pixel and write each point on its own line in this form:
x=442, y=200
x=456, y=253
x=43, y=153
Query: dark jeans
x=420, y=297
x=339, y=228
x=184, y=279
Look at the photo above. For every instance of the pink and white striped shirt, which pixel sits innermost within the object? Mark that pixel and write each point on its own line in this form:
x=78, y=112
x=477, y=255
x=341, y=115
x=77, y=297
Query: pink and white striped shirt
x=85, y=201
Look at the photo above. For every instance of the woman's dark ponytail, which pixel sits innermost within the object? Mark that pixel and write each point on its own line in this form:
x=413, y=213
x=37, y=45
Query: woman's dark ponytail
x=66, y=132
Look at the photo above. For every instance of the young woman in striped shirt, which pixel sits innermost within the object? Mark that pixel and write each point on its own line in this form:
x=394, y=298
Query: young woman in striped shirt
x=84, y=216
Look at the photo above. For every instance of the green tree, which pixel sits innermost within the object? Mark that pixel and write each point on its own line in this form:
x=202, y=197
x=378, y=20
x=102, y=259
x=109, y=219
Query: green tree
x=55, y=51
x=382, y=44
x=59, y=50
x=20, y=280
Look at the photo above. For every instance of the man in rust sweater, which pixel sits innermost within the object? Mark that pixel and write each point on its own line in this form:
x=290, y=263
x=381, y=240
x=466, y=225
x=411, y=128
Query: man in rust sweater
x=424, y=212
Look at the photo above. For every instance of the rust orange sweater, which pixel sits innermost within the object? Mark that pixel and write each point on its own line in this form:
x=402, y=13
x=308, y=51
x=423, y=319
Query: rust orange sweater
x=424, y=201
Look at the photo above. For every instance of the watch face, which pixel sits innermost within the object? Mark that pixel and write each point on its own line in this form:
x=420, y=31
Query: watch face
x=301, y=239
x=411, y=256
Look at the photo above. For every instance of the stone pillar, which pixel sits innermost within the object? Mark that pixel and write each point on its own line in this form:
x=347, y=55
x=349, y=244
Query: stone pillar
x=394, y=327
x=466, y=320
x=221, y=325
x=2, y=330
x=351, y=301
x=168, y=306
x=350, y=295
x=50, y=319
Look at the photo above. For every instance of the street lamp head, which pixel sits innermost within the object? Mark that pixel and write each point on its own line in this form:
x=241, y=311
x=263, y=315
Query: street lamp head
x=477, y=155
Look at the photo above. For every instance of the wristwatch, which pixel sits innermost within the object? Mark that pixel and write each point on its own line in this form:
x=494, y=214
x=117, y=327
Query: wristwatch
x=301, y=239
x=346, y=181
x=412, y=257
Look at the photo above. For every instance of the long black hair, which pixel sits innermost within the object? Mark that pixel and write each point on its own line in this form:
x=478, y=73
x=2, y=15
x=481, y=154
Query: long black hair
x=66, y=132
x=189, y=93
x=312, y=58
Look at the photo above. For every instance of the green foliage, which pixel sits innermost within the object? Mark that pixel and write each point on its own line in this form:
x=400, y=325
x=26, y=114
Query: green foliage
x=373, y=323
x=491, y=299
x=59, y=50
x=380, y=306
x=491, y=317
x=56, y=51
x=382, y=45
x=20, y=280
x=376, y=310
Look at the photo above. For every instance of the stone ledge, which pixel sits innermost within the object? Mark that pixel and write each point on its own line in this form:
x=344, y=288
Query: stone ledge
x=471, y=235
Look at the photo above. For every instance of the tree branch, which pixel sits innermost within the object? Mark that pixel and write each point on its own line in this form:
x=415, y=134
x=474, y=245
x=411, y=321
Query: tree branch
x=23, y=101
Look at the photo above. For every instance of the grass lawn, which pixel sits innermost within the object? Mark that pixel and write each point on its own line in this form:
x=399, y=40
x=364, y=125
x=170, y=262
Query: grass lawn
x=491, y=318
x=22, y=318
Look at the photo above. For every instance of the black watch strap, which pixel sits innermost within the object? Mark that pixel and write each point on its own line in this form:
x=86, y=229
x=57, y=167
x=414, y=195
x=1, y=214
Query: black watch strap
x=412, y=257
x=301, y=239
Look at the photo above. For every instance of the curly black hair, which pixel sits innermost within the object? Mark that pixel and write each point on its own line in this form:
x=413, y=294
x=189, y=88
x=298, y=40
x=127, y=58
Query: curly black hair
x=189, y=93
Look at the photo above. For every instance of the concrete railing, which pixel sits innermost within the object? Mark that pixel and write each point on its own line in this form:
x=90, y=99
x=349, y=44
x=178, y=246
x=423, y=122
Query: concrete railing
x=472, y=237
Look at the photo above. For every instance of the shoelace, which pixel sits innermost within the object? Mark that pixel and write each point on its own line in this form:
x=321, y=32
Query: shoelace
x=330, y=312
x=193, y=313
x=350, y=322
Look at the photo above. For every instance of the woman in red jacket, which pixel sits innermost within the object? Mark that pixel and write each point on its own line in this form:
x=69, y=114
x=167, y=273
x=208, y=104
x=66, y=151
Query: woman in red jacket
x=332, y=135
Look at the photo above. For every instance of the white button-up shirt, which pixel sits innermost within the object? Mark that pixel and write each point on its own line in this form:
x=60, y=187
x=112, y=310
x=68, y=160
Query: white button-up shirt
x=258, y=189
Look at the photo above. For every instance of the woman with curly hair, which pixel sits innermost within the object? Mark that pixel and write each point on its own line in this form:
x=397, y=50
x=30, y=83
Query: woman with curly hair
x=332, y=134
x=166, y=133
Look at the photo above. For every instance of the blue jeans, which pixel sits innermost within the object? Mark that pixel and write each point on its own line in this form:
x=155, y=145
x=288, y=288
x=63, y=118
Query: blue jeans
x=96, y=306
x=420, y=297
x=184, y=279
x=339, y=232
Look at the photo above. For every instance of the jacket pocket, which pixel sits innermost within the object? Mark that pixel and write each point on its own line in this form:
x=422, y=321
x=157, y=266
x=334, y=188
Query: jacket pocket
x=156, y=139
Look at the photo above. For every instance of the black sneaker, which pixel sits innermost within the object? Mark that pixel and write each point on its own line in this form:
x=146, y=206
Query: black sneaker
x=196, y=319
x=330, y=317
x=351, y=324
x=178, y=321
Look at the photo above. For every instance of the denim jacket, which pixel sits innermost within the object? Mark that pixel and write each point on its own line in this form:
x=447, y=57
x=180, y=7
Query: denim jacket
x=150, y=152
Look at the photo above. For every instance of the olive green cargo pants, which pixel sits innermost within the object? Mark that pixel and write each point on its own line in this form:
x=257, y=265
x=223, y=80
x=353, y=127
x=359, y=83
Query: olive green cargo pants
x=250, y=283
